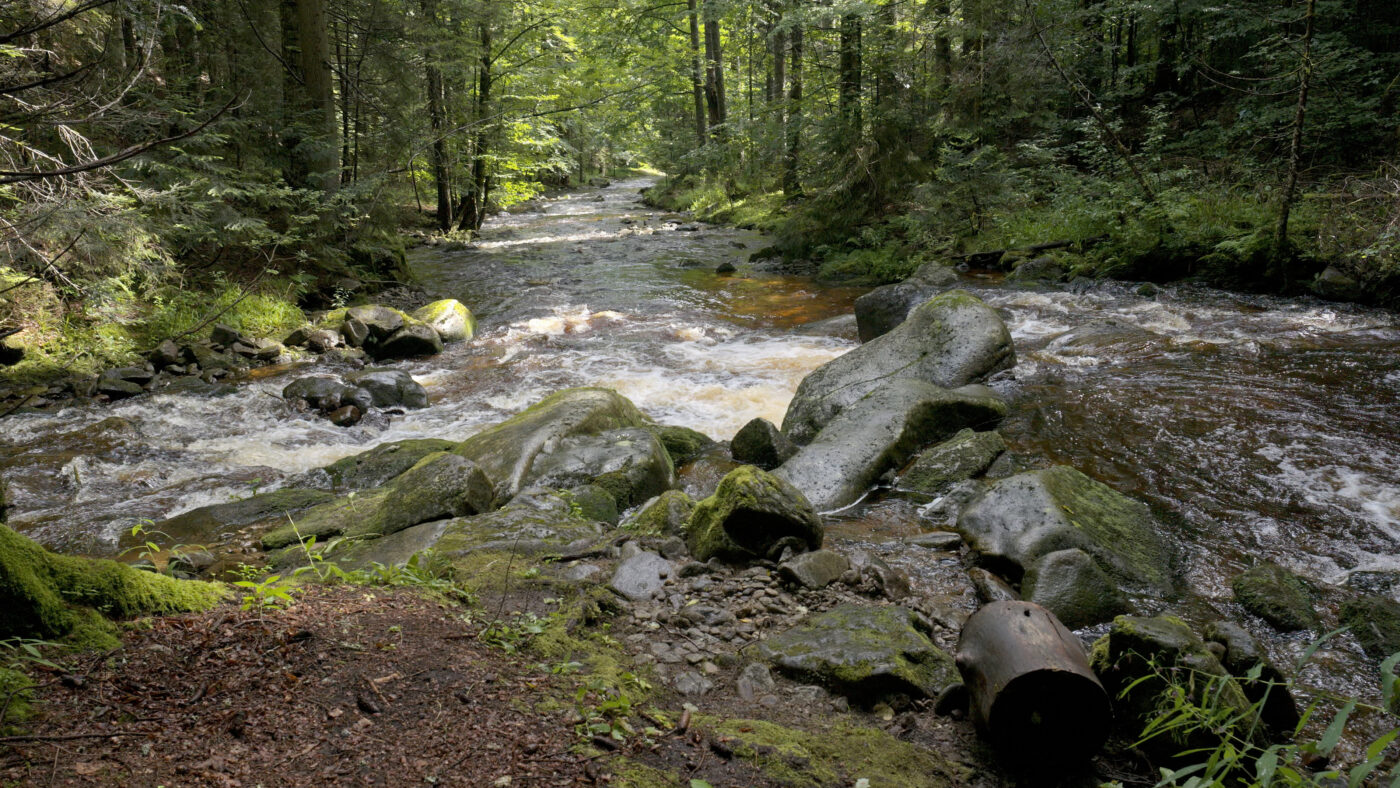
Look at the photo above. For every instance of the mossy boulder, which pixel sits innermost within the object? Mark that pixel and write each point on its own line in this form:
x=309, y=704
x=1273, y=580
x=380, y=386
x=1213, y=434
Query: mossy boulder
x=1375, y=620
x=207, y=522
x=761, y=443
x=682, y=443
x=1022, y=518
x=450, y=318
x=964, y=456
x=594, y=503
x=884, y=308
x=630, y=463
x=46, y=595
x=753, y=514
x=869, y=654
x=534, y=523
x=880, y=432
x=411, y=341
x=1071, y=585
x=507, y=452
x=664, y=515
x=382, y=321
x=951, y=340
x=1276, y=595
x=382, y=463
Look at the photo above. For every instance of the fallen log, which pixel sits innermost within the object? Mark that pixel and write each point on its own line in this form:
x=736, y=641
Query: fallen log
x=1030, y=685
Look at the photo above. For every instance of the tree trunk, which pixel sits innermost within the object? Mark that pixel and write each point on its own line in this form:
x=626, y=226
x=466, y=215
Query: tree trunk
x=319, y=152
x=697, y=79
x=1295, y=147
x=438, y=151
x=714, y=67
x=1029, y=683
x=792, y=186
x=475, y=199
x=850, y=68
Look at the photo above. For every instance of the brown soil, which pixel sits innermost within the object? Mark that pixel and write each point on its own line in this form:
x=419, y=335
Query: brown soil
x=350, y=686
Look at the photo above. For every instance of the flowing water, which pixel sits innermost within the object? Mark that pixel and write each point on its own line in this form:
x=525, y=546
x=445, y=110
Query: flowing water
x=1265, y=427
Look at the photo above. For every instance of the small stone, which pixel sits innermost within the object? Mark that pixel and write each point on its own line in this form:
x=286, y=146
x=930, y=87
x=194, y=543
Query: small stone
x=817, y=569
x=755, y=680
x=936, y=540
x=692, y=683
x=347, y=416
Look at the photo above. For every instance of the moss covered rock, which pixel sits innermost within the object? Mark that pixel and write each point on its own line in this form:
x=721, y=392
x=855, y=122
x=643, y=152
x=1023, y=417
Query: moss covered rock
x=203, y=525
x=867, y=653
x=961, y=457
x=880, y=432
x=949, y=341
x=507, y=452
x=1022, y=518
x=631, y=464
x=1276, y=595
x=664, y=515
x=1375, y=620
x=46, y=595
x=450, y=318
x=761, y=443
x=382, y=463
x=682, y=443
x=1069, y=584
x=884, y=308
x=532, y=524
x=752, y=514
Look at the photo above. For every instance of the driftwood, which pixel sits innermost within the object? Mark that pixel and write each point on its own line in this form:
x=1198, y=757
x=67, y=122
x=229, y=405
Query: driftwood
x=1030, y=685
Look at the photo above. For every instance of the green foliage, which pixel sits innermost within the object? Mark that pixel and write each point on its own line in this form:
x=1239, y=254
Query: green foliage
x=605, y=706
x=269, y=593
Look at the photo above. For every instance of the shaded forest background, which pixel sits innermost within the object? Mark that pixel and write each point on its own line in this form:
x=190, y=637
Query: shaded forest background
x=253, y=158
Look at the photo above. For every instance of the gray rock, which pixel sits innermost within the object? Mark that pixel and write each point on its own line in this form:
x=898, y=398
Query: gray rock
x=936, y=540
x=880, y=432
x=583, y=573
x=1276, y=595
x=411, y=341
x=382, y=463
x=167, y=353
x=882, y=309
x=691, y=683
x=116, y=388
x=817, y=569
x=381, y=321
x=345, y=416
x=356, y=333
x=1020, y=519
x=1038, y=269
x=207, y=522
x=224, y=335
x=1069, y=584
x=755, y=681
x=594, y=503
x=760, y=443
x=990, y=588
x=863, y=652
x=879, y=576
x=322, y=392
x=390, y=387
x=961, y=457
x=1243, y=657
x=752, y=514
x=949, y=341
x=1335, y=285
x=323, y=340
x=629, y=463
x=641, y=577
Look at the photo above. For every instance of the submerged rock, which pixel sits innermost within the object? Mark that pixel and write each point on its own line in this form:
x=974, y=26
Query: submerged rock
x=867, y=653
x=762, y=444
x=1276, y=595
x=752, y=514
x=881, y=432
x=949, y=341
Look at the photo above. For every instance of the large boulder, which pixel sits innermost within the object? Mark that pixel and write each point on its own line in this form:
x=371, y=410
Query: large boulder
x=381, y=321
x=390, y=387
x=867, y=653
x=682, y=443
x=449, y=318
x=1071, y=585
x=323, y=392
x=881, y=432
x=761, y=443
x=382, y=463
x=965, y=455
x=949, y=341
x=508, y=451
x=631, y=464
x=753, y=514
x=534, y=523
x=1276, y=595
x=1020, y=519
x=882, y=309
x=411, y=341
x=204, y=524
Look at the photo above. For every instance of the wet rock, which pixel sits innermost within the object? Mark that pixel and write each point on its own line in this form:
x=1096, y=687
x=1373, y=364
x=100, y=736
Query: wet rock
x=411, y=341
x=1335, y=285
x=963, y=456
x=1020, y=519
x=881, y=432
x=936, y=540
x=1276, y=595
x=884, y=308
x=116, y=388
x=390, y=387
x=1147, y=290
x=1038, y=269
x=749, y=516
x=990, y=588
x=356, y=333
x=949, y=341
x=755, y=681
x=866, y=653
x=817, y=569
x=641, y=577
x=1069, y=584
x=878, y=577
x=1243, y=657
x=269, y=351
x=382, y=463
x=761, y=443
x=682, y=443
x=450, y=318
x=664, y=515
x=1375, y=620
x=629, y=463
x=508, y=451
x=322, y=392
x=381, y=321
x=346, y=416
x=323, y=340
x=726, y=268
x=702, y=475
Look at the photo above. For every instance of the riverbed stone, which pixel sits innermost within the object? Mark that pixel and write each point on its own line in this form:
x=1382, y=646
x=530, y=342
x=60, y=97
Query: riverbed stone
x=880, y=432
x=641, y=577
x=761, y=443
x=355, y=332
x=816, y=569
x=1276, y=595
x=866, y=653
x=882, y=309
x=951, y=340
x=346, y=416
x=508, y=451
x=664, y=515
x=116, y=388
x=224, y=335
x=207, y=522
x=682, y=443
x=964, y=456
x=450, y=318
x=533, y=523
x=1022, y=518
x=382, y=463
x=630, y=463
x=990, y=588
x=167, y=353
x=1375, y=620
x=1071, y=585
x=390, y=387
x=323, y=392
x=411, y=341
x=382, y=321
x=753, y=514
x=594, y=503
x=1038, y=269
